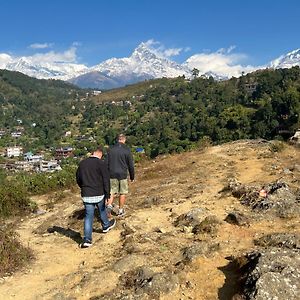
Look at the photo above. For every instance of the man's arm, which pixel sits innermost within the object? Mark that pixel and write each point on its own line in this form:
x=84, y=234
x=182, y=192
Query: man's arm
x=105, y=180
x=78, y=179
x=130, y=165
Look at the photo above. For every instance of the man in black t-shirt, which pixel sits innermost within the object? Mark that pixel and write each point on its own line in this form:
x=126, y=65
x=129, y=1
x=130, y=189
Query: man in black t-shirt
x=93, y=179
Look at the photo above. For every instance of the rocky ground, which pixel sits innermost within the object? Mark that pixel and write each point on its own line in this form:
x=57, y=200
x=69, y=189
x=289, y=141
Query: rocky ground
x=220, y=223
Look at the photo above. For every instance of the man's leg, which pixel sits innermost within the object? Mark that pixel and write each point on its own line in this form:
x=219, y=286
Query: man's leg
x=122, y=201
x=110, y=200
x=114, y=189
x=88, y=221
x=123, y=193
x=103, y=214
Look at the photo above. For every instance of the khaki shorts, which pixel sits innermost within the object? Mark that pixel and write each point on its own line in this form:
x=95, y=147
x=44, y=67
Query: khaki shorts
x=118, y=186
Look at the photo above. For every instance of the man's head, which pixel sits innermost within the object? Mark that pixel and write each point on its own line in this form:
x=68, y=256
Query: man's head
x=122, y=138
x=98, y=151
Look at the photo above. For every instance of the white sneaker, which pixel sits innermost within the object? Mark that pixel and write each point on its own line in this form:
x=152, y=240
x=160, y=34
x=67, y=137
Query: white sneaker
x=85, y=245
x=121, y=212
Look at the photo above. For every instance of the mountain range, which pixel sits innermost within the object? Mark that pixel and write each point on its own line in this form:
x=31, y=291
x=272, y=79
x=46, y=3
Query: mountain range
x=144, y=63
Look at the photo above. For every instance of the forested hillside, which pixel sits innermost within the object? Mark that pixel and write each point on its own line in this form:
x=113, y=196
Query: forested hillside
x=175, y=114
x=40, y=106
x=162, y=116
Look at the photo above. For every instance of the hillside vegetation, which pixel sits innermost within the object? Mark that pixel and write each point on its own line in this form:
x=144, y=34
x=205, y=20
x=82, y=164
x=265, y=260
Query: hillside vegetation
x=40, y=106
x=162, y=116
x=196, y=228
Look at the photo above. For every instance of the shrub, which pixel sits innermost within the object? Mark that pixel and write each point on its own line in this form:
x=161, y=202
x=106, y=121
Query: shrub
x=204, y=142
x=12, y=254
x=14, y=199
x=277, y=146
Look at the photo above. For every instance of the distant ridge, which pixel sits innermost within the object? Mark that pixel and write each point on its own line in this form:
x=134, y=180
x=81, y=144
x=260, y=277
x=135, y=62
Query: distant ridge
x=144, y=63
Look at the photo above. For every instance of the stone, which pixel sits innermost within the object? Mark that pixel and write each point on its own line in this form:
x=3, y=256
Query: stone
x=127, y=263
x=201, y=248
x=208, y=225
x=191, y=218
x=282, y=240
x=237, y=218
x=278, y=199
x=271, y=274
x=151, y=200
x=127, y=230
x=143, y=280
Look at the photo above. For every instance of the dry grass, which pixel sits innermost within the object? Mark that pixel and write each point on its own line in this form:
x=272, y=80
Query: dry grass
x=12, y=254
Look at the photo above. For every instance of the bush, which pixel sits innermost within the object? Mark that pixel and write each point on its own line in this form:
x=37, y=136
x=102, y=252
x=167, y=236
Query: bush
x=277, y=146
x=14, y=199
x=42, y=183
x=204, y=142
x=12, y=254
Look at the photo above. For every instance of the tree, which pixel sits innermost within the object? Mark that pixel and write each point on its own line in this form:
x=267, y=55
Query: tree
x=195, y=73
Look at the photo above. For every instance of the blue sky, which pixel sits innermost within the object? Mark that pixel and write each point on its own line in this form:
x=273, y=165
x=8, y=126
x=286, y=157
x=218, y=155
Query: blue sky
x=97, y=30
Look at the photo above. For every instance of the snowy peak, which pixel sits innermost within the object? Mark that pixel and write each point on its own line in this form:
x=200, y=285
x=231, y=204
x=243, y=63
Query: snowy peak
x=287, y=61
x=149, y=60
x=144, y=63
x=45, y=70
x=143, y=52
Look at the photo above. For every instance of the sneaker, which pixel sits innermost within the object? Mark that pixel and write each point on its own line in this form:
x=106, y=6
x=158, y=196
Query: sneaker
x=112, y=224
x=121, y=212
x=85, y=245
x=109, y=207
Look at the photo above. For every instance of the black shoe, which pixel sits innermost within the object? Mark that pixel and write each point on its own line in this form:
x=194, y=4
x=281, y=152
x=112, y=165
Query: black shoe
x=85, y=245
x=112, y=224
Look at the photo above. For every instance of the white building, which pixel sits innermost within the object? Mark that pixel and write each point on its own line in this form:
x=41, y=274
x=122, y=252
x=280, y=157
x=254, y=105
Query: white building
x=14, y=151
x=68, y=133
x=23, y=166
x=49, y=166
x=16, y=134
x=31, y=158
x=95, y=93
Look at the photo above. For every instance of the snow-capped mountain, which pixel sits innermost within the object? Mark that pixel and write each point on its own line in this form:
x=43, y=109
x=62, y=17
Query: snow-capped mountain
x=144, y=63
x=216, y=76
x=45, y=70
x=287, y=61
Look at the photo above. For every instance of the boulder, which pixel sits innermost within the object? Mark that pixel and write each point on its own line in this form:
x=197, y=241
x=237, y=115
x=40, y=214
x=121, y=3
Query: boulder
x=237, y=218
x=144, y=281
x=271, y=274
x=191, y=218
x=282, y=240
x=208, y=225
x=199, y=249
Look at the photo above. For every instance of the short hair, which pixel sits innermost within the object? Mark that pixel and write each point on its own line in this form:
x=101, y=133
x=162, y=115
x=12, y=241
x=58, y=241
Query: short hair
x=98, y=148
x=121, y=136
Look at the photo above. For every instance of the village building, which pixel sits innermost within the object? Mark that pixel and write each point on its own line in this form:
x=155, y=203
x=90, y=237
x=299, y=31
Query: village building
x=14, y=151
x=31, y=158
x=16, y=134
x=68, y=133
x=49, y=166
x=63, y=152
x=95, y=93
x=23, y=166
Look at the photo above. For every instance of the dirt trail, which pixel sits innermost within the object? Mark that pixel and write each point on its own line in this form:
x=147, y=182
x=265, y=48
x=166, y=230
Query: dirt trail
x=165, y=188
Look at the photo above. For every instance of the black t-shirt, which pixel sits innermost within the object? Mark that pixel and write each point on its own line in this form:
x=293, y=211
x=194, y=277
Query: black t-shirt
x=120, y=161
x=92, y=176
